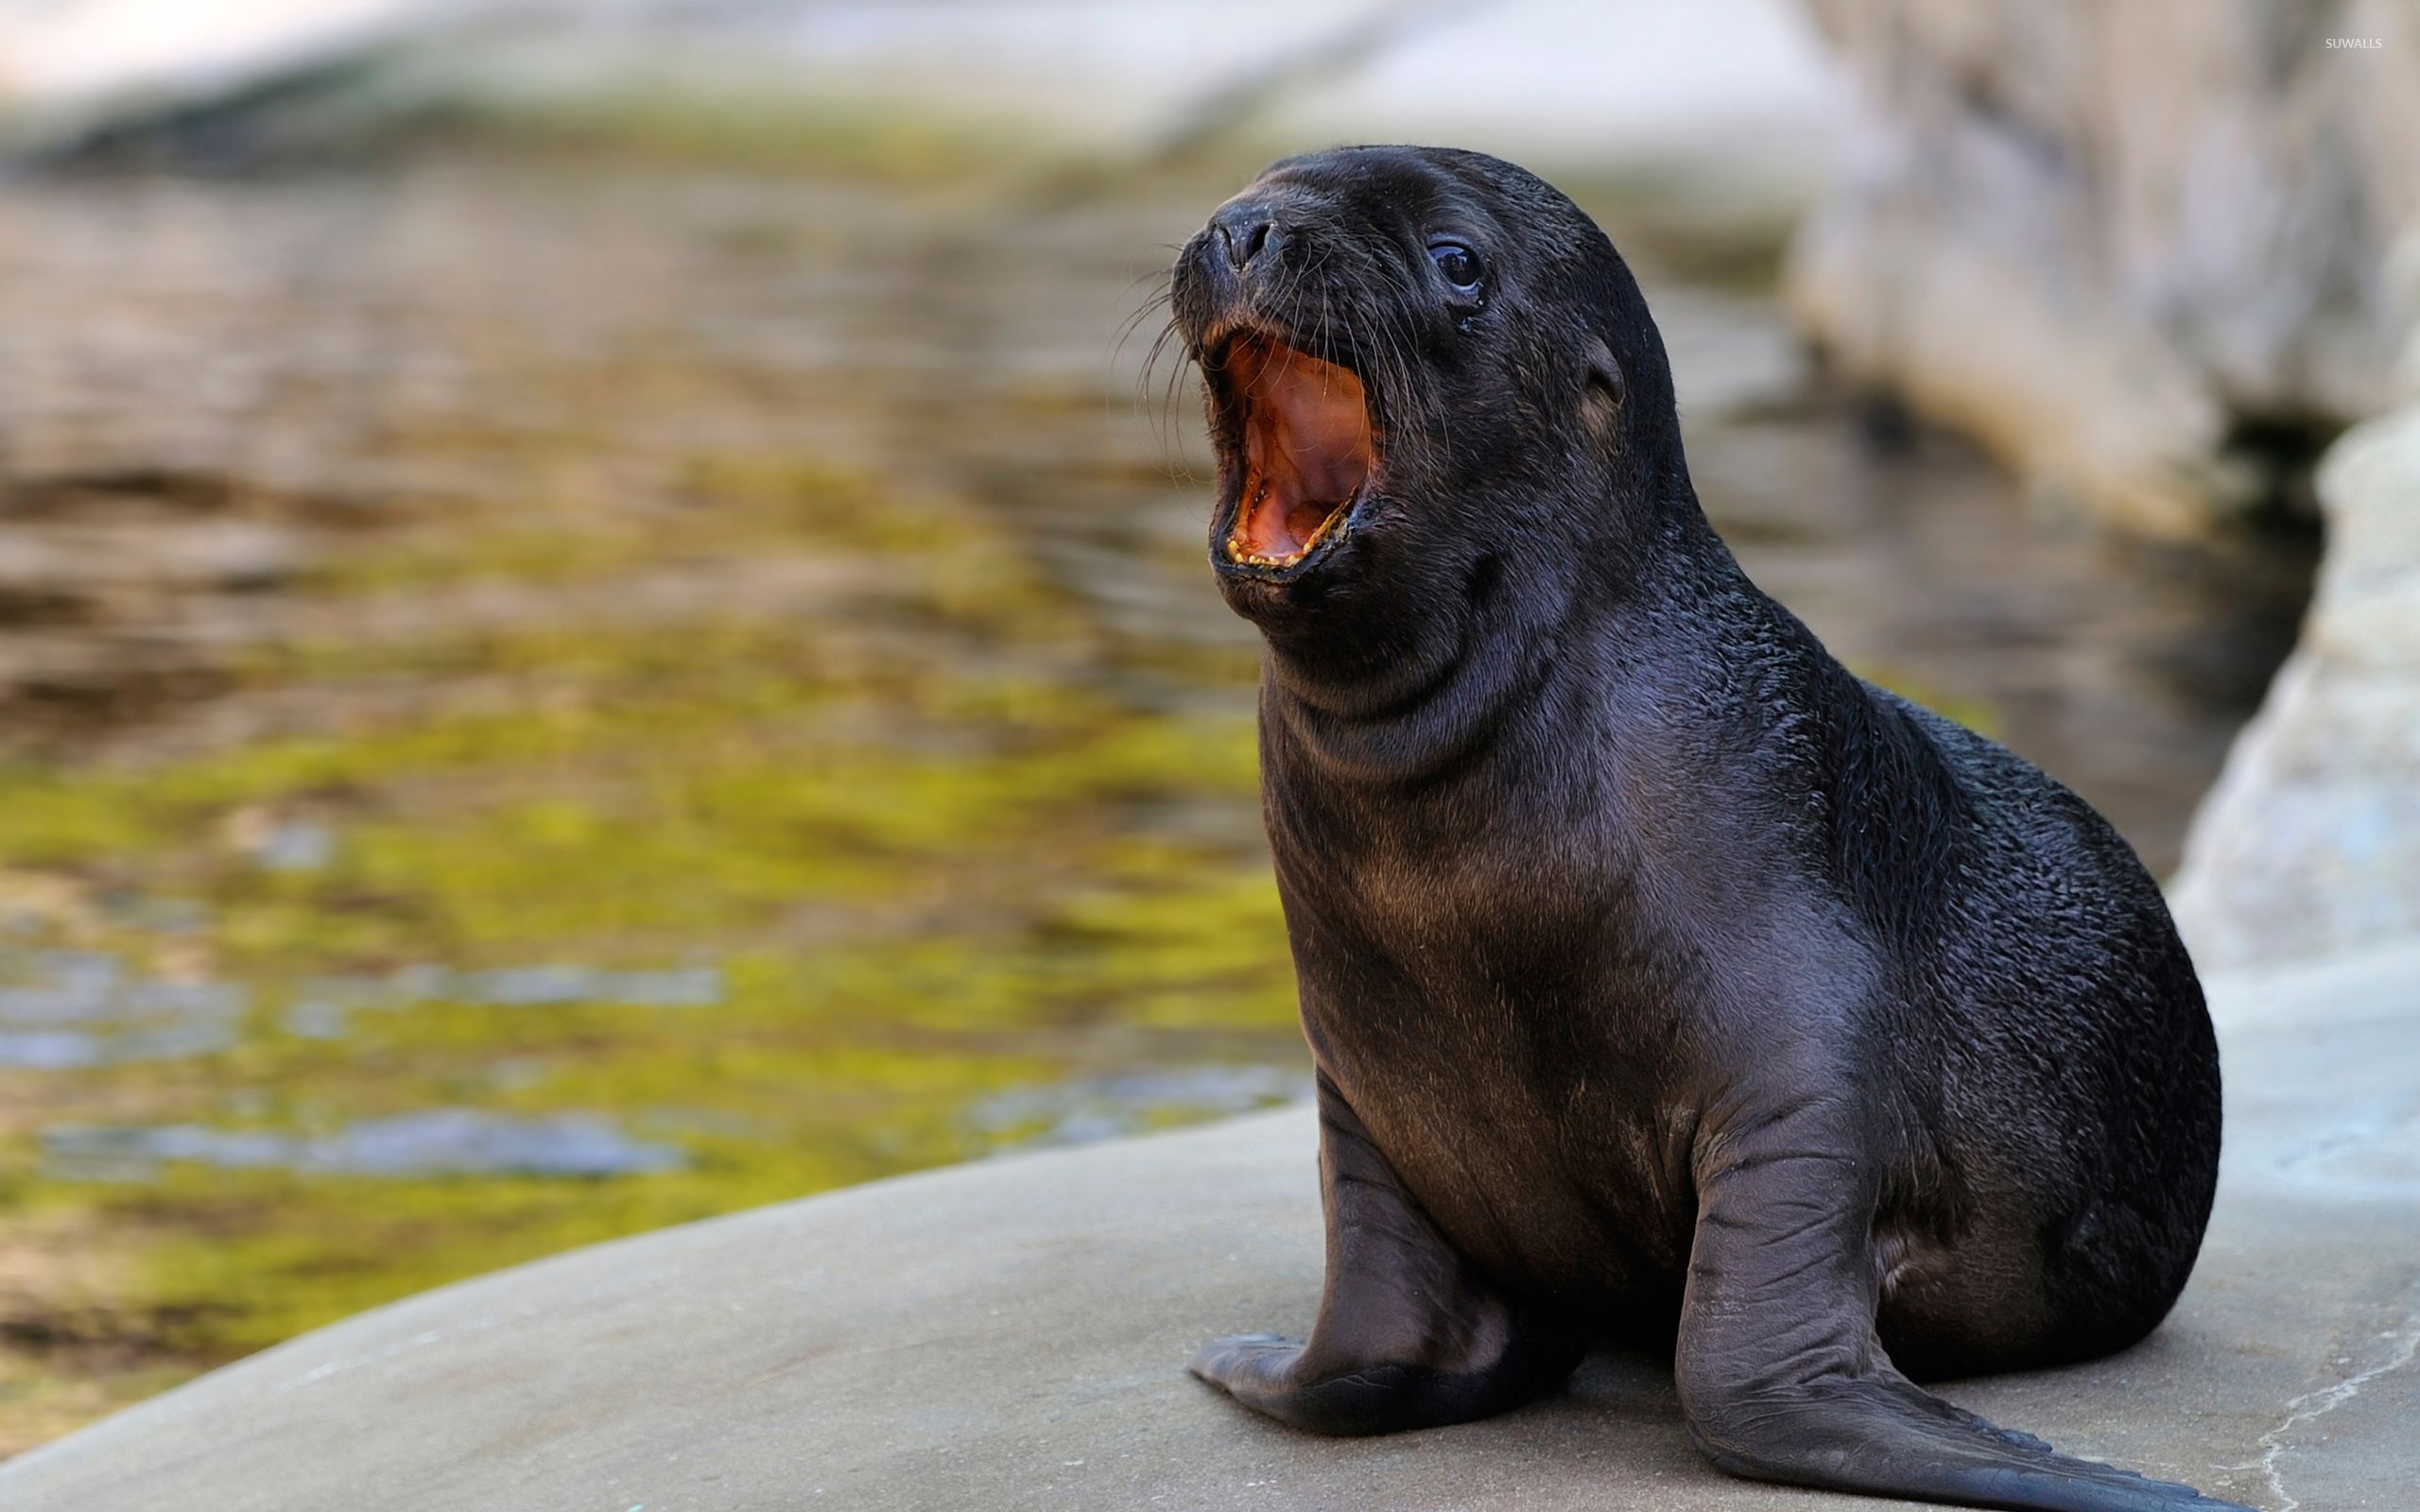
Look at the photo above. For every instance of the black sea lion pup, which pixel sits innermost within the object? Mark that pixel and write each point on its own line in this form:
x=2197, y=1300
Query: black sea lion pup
x=1664, y=980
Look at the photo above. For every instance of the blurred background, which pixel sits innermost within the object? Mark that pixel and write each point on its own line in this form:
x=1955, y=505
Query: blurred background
x=602, y=619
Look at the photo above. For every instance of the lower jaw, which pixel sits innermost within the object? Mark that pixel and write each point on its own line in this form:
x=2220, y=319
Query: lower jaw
x=1331, y=533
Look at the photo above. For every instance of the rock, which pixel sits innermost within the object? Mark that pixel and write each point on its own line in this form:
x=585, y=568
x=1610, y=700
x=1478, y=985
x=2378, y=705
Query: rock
x=2127, y=247
x=1734, y=89
x=2110, y=241
x=66, y=65
x=1011, y=1335
x=2310, y=841
x=111, y=67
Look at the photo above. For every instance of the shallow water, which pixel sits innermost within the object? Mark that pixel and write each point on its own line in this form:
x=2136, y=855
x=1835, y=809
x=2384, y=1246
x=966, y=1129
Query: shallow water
x=554, y=699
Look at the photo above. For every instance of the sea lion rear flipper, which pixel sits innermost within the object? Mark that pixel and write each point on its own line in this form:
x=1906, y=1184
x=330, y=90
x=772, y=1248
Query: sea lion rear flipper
x=1781, y=1375
x=1407, y=1337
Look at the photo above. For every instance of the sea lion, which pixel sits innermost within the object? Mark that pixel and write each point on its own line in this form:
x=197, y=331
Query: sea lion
x=1664, y=980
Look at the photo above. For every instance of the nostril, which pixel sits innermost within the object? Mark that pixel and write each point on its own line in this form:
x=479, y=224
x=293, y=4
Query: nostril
x=1245, y=232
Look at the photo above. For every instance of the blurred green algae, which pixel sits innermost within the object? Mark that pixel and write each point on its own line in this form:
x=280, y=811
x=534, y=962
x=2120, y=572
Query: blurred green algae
x=924, y=864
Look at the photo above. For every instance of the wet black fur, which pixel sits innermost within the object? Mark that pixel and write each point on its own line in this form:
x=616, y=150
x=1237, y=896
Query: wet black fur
x=1664, y=981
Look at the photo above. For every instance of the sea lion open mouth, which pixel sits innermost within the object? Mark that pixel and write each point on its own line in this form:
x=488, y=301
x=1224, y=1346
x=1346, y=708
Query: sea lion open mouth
x=1308, y=450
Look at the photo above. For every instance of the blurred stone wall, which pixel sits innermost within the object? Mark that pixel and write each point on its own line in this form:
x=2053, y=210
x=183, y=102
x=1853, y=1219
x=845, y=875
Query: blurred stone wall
x=2115, y=241
x=2108, y=240
x=2310, y=842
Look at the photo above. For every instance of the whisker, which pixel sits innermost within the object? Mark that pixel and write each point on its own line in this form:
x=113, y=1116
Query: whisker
x=1158, y=302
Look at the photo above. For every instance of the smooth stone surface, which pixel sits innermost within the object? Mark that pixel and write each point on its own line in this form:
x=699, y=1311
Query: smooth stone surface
x=1012, y=1335
x=2310, y=842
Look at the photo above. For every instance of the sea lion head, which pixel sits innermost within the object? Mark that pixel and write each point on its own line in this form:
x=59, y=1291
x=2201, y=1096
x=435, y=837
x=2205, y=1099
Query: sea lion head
x=1429, y=375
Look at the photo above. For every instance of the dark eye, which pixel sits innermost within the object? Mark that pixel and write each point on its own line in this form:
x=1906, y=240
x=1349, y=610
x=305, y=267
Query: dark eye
x=1457, y=263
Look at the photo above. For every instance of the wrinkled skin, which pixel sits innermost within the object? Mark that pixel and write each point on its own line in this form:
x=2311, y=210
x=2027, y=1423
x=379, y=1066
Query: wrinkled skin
x=1665, y=982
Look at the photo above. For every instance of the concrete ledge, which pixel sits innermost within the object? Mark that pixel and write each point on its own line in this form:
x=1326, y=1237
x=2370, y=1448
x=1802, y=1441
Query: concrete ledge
x=1012, y=1335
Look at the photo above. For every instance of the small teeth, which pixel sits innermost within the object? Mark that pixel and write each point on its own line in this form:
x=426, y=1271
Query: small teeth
x=1251, y=558
x=1239, y=552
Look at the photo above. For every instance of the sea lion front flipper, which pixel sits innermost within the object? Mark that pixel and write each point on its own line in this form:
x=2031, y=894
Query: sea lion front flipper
x=1407, y=1335
x=1781, y=1375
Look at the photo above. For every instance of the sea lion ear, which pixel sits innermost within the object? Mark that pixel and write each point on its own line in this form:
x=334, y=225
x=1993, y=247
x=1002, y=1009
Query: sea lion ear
x=1606, y=388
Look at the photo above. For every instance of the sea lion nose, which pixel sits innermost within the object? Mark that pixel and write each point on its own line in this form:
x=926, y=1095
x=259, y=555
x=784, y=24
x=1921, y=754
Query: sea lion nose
x=1245, y=227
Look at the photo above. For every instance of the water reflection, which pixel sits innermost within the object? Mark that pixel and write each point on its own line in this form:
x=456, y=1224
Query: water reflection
x=62, y=1010
x=439, y=1141
x=1090, y=1108
x=323, y=1011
